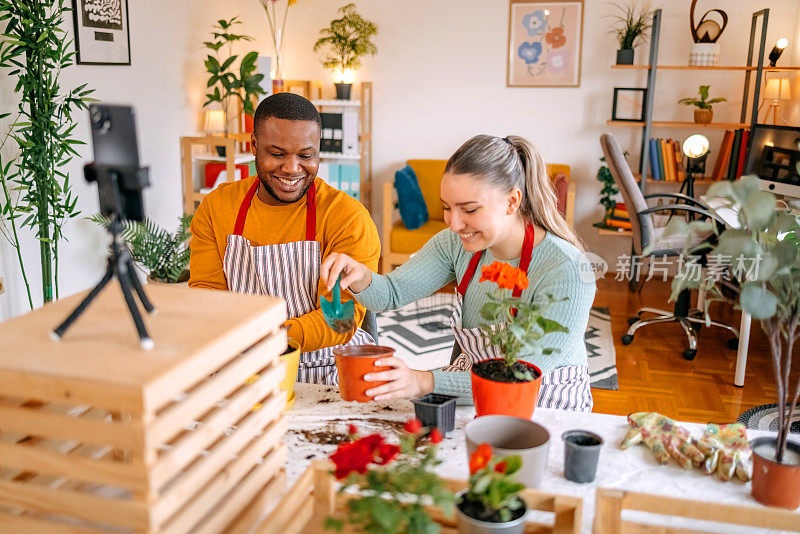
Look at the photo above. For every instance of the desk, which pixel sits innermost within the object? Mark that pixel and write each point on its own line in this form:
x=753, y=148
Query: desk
x=633, y=469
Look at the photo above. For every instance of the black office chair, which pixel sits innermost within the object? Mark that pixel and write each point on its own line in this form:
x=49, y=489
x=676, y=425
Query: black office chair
x=645, y=234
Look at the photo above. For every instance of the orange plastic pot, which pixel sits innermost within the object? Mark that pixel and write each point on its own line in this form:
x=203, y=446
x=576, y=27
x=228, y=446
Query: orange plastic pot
x=776, y=484
x=505, y=398
x=355, y=361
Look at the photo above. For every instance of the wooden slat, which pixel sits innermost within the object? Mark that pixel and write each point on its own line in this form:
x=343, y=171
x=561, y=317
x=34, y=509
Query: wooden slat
x=187, y=518
x=276, y=521
x=683, y=124
x=264, y=500
x=76, y=504
x=188, y=446
x=208, y=466
x=174, y=419
x=29, y=525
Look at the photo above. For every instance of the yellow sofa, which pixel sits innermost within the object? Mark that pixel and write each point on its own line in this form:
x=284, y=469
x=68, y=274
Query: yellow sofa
x=398, y=243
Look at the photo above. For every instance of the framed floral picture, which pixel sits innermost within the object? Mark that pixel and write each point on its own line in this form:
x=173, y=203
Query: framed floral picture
x=544, y=43
x=102, y=36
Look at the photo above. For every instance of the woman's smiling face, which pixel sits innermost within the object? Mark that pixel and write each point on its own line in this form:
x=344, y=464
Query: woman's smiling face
x=476, y=211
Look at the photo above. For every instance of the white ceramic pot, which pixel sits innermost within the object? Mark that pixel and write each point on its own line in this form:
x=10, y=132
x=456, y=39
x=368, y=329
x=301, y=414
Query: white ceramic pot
x=704, y=54
x=470, y=525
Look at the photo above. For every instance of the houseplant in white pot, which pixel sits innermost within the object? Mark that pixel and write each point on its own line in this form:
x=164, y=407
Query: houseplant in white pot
x=763, y=278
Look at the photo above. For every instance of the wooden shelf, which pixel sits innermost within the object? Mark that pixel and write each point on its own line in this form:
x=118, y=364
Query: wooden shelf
x=693, y=67
x=621, y=232
x=700, y=181
x=680, y=124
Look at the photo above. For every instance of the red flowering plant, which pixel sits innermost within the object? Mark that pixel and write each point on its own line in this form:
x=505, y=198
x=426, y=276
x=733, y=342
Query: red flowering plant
x=493, y=493
x=394, y=482
x=519, y=331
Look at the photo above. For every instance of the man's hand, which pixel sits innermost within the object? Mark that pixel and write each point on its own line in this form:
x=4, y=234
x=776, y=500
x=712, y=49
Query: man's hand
x=403, y=382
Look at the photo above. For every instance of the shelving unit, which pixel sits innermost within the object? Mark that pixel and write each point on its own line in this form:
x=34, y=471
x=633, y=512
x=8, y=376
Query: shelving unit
x=652, y=69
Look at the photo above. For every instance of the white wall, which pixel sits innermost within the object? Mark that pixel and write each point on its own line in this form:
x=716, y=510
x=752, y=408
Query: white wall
x=439, y=78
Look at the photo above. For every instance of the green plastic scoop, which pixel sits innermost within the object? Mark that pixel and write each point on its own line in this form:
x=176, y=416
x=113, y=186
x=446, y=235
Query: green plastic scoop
x=340, y=316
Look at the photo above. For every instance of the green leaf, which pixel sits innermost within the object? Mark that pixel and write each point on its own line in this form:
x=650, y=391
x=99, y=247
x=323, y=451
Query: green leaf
x=758, y=210
x=548, y=326
x=757, y=301
x=745, y=187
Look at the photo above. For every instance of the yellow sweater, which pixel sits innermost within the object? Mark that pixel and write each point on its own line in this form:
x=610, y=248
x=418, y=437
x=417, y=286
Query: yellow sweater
x=343, y=225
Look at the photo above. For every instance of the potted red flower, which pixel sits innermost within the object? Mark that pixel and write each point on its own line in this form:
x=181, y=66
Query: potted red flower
x=492, y=502
x=392, y=482
x=508, y=385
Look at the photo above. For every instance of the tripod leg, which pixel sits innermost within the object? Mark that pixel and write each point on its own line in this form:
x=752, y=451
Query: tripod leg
x=123, y=274
x=137, y=286
x=59, y=331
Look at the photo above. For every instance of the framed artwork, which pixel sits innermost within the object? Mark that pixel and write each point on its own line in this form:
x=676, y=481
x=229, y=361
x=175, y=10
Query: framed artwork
x=544, y=43
x=102, y=36
x=629, y=104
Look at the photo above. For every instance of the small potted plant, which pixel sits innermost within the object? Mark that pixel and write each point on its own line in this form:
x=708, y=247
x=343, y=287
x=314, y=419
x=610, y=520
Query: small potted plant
x=630, y=29
x=164, y=255
x=508, y=385
x=348, y=38
x=394, y=483
x=492, y=502
x=704, y=112
x=763, y=278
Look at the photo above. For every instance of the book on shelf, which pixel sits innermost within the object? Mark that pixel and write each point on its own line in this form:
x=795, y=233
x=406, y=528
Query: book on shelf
x=603, y=226
x=742, y=153
x=654, y=170
x=660, y=159
x=618, y=224
x=669, y=160
x=733, y=163
x=724, y=155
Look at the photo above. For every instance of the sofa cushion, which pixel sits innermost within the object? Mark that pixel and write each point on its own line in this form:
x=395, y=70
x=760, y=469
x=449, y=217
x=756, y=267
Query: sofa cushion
x=561, y=186
x=405, y=241
x=429, y=175
x=410, y=201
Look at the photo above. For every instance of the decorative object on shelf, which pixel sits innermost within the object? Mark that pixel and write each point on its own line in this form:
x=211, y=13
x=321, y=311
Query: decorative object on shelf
x=696, y=150
x=629, y=104
x=277, y=29
x=352, y=363
x=164, y=255
x=766, y=250
x=348, y=39
x=630, y=29
x=214, y=123
x=394, y=483
x=544, y=43
x=704, y=112
x=705, y=49
x=776, y=90
x=227, y=81
x=581, y=453
x=102, y=34
x=508, y=385
x=492, y=502
x=777, y=50
x=35, y=187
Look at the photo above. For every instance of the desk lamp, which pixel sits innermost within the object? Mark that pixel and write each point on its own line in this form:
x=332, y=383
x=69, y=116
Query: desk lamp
x=696, y=150
x=777, y=50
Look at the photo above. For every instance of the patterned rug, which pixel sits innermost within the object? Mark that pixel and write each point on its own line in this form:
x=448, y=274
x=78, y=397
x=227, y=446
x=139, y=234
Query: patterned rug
x=420, y=333
x=765, y=417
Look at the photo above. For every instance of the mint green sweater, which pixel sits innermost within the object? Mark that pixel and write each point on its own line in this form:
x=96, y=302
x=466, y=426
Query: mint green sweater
x=553, y=269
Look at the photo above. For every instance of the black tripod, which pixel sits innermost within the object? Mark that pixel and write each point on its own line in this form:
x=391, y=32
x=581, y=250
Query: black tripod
x=120, y=264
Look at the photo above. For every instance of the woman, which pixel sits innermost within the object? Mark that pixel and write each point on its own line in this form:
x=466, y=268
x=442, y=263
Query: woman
x=499, y=205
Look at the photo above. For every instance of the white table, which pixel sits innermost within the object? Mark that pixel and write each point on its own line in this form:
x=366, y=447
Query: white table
x=632, y=469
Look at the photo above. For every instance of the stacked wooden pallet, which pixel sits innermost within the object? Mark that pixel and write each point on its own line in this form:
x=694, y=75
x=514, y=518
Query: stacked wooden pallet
x=97, y=435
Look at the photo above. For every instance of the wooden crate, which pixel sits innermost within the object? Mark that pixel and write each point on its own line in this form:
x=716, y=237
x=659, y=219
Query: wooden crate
x=97, y=434
x=306, y=505
x=610, y=503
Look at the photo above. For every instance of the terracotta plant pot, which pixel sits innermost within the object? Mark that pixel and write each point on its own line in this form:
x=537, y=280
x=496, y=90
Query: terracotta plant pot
x=776, y=484
x=703, y=116
x=470, y=525
x=291, y=359
x=512, y=435
x=355, y=361
x=506, y=398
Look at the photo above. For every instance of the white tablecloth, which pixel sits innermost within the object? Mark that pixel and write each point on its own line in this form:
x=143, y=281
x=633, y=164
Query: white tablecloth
x=632, y=469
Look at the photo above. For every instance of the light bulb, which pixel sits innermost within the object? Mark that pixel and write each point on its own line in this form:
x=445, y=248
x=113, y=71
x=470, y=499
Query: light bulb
x=781, y=43
x=696, y=146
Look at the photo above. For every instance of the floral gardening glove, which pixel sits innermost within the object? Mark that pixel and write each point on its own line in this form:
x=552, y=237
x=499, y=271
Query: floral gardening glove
x=664, y=438
x=727, y=451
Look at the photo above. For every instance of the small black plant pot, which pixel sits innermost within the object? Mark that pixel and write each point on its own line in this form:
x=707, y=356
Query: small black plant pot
x=436, y=410
x=624, y=57
x=581, y=453
x=343, y=91
x=221, y=151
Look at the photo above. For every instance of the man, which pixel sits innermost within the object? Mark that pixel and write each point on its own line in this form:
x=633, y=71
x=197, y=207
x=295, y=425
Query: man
x=268, y=234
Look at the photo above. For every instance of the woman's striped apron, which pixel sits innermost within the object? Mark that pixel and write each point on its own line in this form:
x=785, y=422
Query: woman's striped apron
x=289, y=271
x=565, y=388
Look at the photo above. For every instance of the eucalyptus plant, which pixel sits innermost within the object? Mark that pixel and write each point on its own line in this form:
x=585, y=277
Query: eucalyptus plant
x=35, y=186
x=756, y=266
x=224, y=82
x=348, y=39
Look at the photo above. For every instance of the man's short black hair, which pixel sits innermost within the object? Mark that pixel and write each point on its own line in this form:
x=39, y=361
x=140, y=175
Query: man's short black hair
x=287, y=106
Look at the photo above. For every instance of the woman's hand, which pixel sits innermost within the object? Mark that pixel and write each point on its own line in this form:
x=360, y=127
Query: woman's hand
x=403, y=382
x=355, y=276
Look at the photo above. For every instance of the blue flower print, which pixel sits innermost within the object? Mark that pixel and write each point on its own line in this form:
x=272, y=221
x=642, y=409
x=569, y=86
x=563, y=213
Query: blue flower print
x=534, y=23
x=530, y=52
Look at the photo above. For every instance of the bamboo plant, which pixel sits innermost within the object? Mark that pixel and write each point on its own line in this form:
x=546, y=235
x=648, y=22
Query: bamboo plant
x=35, y=186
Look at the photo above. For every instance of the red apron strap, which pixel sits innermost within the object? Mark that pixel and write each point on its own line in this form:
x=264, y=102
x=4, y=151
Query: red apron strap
x=242, y=215
x=471, y=268
x=525, y=259
x=311, y=212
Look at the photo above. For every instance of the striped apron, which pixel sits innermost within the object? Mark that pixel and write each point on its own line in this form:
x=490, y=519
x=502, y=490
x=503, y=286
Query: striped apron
x=565, y=388
x=289, y=271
